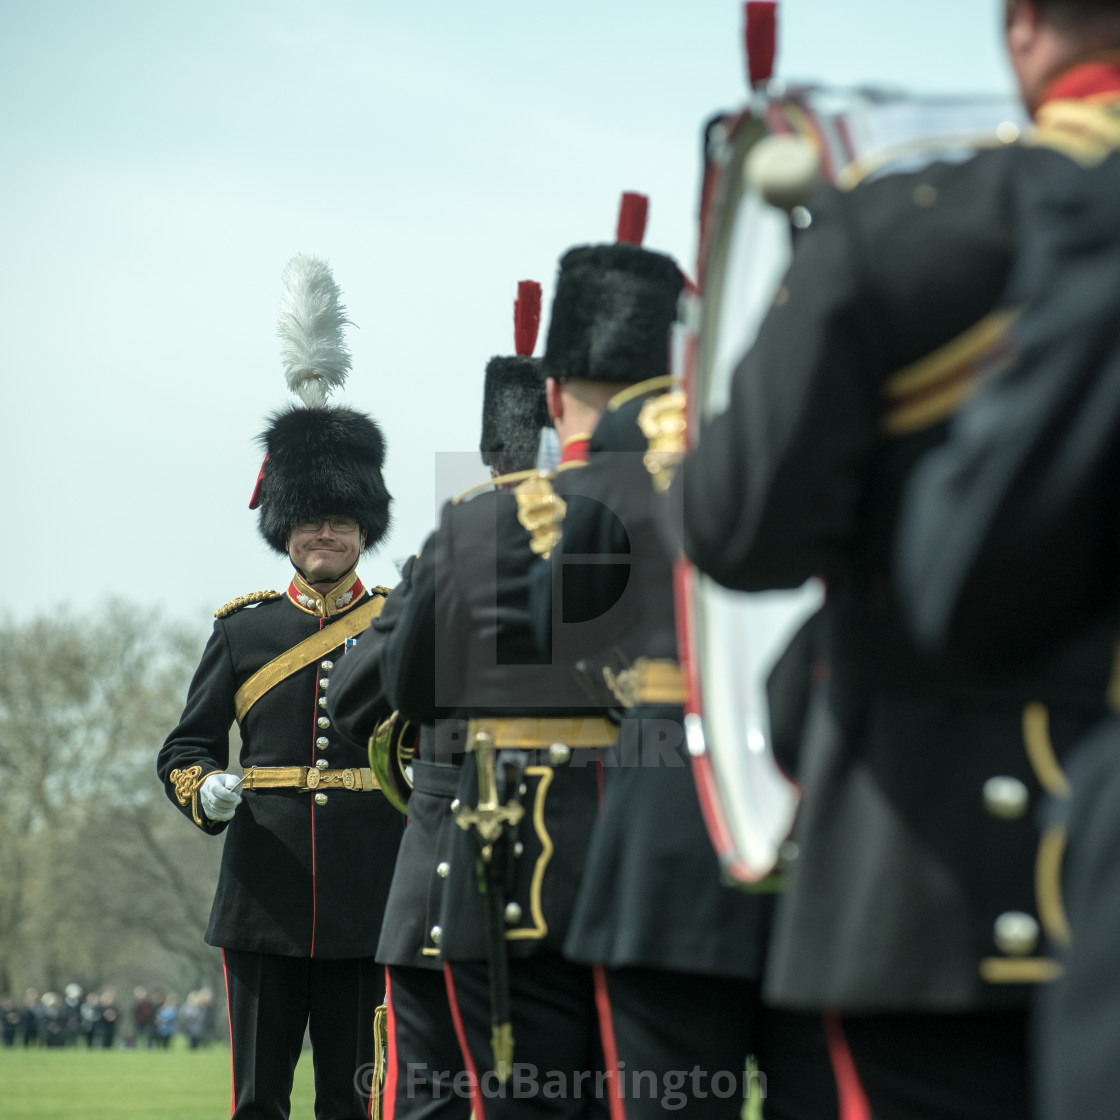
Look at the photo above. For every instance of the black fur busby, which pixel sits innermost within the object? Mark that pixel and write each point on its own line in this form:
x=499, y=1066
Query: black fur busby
x=514, y=411
x=514, y=408
x=321, y=462
x=611, y=314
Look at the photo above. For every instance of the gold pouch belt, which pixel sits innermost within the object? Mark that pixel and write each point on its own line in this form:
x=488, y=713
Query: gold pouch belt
x=307, y=778
x=533, y=734
x=647, y=682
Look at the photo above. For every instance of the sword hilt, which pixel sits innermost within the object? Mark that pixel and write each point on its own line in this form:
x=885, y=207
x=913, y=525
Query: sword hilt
x=489, y=817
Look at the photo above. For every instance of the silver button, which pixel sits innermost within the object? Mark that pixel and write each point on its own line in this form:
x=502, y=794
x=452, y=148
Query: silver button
x=443, y=869
x=788, y=852
x=326, y=666
x=1016, y=933
x=522, y=789
x=322, y=701
x=925, y=194
x=321, y=764
x=1006, y=798
x=323, y=682
x=320, y=799
x=518, y=848
x=436, y=934
x=455, y=805
x=323, y=722
x=512, y=913
x=801, y=217
x=322, y=742
x=559, y=753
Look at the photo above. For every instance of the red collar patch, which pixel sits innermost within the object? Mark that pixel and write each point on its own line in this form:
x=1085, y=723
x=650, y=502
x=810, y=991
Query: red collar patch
x=325, y=604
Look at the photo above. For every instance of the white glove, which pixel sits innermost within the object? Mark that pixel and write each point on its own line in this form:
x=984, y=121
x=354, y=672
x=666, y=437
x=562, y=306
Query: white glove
x=219, y=796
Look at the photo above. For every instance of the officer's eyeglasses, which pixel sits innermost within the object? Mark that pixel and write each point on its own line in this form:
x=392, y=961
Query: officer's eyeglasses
x=337, y=524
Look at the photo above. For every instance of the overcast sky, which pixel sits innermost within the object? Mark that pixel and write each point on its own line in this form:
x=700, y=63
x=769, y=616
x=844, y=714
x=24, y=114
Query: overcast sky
x=161, y=162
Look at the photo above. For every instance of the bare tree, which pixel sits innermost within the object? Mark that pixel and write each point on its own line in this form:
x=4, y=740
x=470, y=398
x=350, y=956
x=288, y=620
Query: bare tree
x=100, y=880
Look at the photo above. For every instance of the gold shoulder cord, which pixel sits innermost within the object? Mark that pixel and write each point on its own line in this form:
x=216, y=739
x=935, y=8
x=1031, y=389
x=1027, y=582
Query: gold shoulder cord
x=650, y=385
x=499, y=480
x=244, y=601
x=304, y=653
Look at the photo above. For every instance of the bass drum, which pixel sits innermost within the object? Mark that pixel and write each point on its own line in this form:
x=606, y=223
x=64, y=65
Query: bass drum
x=752, y=186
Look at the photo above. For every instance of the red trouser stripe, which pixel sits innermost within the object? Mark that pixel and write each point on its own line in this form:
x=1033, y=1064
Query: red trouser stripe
x=849, y=1091
x=610, y=1047
x=229, y=1019
x=461, y=1035
x=389, y=1107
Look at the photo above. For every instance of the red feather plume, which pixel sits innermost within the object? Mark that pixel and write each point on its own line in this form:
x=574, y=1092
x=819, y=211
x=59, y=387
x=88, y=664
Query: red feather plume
x=526, y=318
x=761, y=18
x=632, y=215
x=255, y=497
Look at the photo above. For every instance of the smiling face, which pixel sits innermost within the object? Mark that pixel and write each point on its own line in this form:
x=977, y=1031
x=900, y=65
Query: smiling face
x=326, y=550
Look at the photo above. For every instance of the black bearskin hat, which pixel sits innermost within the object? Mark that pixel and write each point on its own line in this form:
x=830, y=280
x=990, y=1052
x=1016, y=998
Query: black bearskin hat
x=611, y=314
x=319, y=462
x=514, y=408
x=514, y=411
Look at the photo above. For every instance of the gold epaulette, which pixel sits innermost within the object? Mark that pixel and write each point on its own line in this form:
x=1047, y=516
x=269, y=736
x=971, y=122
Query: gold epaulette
x=663, y=423
x=245, y=600
x=541, y=512
x=379, y=590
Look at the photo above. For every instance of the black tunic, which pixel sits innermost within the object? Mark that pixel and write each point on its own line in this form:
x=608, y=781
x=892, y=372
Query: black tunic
x=357, y=702
x=1017, y=511
x=651, y=894
x=297, y=878
x=464, y=649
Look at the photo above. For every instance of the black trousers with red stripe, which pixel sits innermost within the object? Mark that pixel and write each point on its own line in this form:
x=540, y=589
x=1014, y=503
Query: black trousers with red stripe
x=426, y=1078
x=679, y=1044
x=557, y=1058
x=273, y=1000
x=967, y=1066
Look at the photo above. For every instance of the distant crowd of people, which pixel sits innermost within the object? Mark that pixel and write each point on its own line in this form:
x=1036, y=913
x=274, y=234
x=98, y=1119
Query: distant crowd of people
x=95, y=1019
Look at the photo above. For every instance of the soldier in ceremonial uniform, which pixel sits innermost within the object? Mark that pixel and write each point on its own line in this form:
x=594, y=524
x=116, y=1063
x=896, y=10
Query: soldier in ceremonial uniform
x=678, y=955
x=424, y=1059
x=1009, y=554
x=310, y=845
x=465, y=648
x=913, y=908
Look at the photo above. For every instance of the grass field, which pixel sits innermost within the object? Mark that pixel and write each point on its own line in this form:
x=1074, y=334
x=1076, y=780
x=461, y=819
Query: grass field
x=176, y=1084
x=81, y=1084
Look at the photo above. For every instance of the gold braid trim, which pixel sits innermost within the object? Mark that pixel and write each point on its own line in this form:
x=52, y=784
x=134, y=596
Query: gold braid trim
x=1040, y=751
x=1021, y=970
x=1086, y=131
x=1048, y=885
x=244, y=601
x=380, y=1046
x=186, y=784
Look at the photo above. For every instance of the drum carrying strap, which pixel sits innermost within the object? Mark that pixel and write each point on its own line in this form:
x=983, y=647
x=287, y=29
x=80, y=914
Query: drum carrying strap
x=303, y=654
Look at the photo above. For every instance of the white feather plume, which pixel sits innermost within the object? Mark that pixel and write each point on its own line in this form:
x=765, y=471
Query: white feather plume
x=312, y=317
